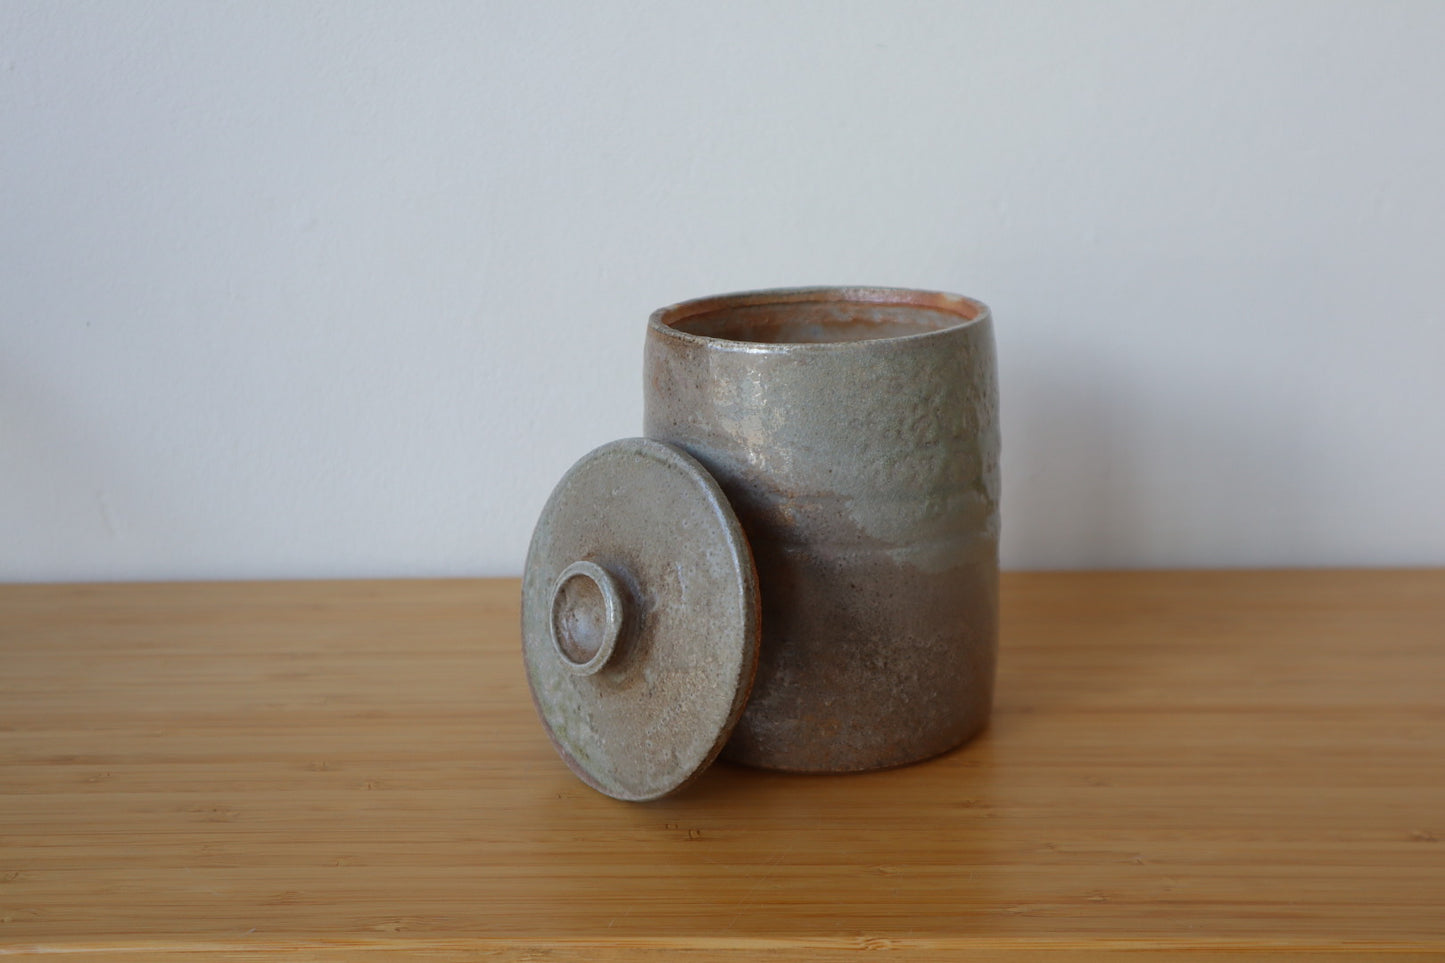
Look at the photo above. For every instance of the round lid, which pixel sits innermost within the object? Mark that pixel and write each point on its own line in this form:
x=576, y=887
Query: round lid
x=639, y=618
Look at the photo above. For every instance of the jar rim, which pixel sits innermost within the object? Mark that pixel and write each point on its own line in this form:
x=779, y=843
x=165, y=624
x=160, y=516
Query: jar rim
x=958, y=311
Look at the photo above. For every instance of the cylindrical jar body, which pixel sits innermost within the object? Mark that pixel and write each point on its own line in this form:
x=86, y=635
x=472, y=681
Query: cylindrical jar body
x=855, y=432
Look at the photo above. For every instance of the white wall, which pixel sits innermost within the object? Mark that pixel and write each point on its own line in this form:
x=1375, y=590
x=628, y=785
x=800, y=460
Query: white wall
x=342, y=288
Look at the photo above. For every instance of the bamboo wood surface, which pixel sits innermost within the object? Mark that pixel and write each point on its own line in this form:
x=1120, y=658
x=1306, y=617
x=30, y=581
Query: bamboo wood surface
x=1181, y=765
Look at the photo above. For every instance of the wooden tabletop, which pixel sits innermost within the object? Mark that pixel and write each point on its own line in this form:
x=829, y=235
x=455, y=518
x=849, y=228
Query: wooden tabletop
x=1181, y=765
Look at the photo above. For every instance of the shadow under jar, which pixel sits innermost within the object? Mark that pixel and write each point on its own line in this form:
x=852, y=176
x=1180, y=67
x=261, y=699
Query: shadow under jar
x=855, y=433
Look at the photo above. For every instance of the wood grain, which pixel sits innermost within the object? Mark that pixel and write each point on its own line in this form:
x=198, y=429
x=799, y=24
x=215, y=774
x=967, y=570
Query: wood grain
x=1181, y=765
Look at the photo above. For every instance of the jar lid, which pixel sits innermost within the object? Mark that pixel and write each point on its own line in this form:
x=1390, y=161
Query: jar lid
x=640, y=618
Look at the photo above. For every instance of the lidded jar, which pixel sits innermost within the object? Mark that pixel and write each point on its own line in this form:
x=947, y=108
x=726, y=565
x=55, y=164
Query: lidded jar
x=798, y=566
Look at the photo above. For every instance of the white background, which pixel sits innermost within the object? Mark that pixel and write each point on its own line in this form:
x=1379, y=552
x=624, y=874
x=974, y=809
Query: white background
x=340, y=289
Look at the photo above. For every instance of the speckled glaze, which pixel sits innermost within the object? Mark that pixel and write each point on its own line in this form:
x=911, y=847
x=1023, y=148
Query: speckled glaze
x=855, y=433
x=639, y=619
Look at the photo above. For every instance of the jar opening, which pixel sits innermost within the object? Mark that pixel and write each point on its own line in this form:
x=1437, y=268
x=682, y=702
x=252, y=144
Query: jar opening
x=820, y=315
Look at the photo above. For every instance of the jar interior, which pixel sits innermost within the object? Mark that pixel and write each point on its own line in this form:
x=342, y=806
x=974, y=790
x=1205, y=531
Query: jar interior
x=815, y=322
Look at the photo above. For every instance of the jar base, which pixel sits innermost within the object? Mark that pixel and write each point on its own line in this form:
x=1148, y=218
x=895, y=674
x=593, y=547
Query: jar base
x=813, y=763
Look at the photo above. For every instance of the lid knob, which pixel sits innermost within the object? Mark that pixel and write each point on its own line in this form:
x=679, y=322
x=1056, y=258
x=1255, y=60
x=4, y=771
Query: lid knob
x=587, y=614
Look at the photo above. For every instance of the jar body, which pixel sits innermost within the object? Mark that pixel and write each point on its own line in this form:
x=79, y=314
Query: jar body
x=855, y=433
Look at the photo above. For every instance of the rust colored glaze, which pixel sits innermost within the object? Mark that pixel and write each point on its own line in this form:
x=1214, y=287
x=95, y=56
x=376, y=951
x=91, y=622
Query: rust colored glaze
x=855, y=433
